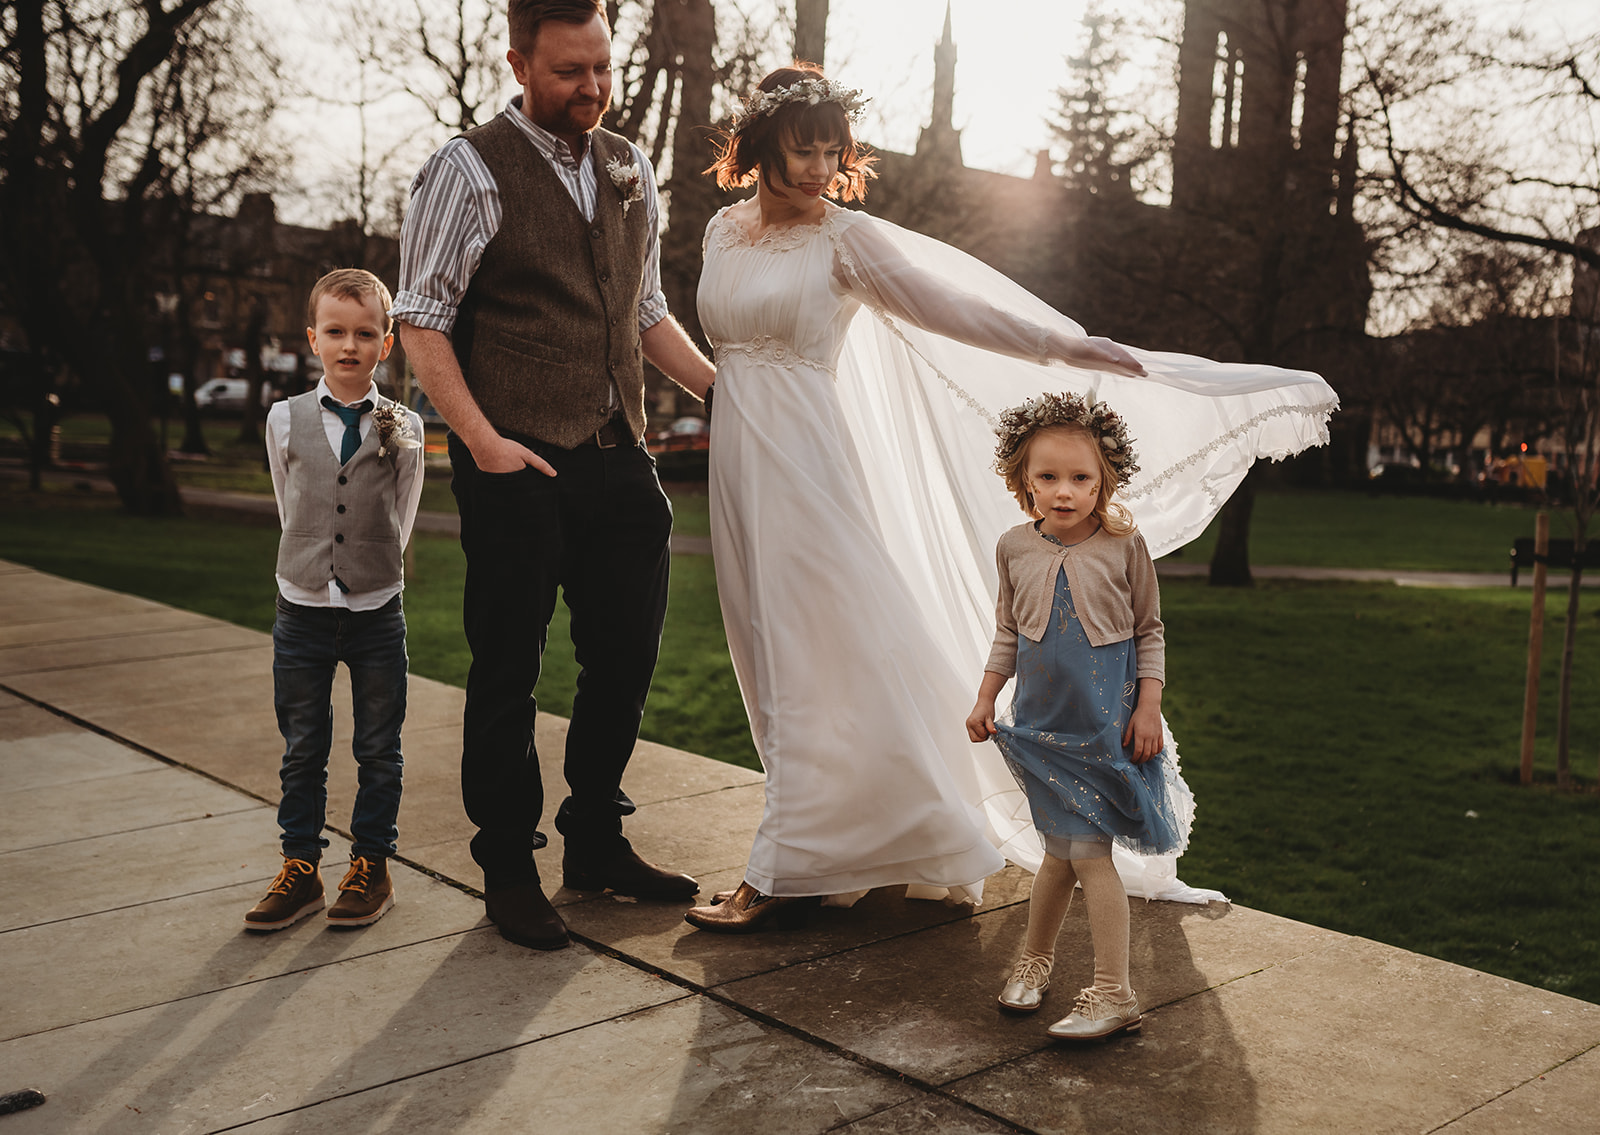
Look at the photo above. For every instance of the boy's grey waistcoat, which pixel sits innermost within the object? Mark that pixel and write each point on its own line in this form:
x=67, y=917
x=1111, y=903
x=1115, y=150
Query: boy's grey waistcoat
x=550, y=319
x=339, y=521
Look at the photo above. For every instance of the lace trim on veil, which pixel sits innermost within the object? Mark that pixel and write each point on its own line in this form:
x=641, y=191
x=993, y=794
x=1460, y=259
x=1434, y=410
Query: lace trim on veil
x=1318, y=412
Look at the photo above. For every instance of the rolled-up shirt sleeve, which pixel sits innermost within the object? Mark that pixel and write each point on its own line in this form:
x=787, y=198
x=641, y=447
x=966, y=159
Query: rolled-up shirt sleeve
x=454, y=213
x=652, y=303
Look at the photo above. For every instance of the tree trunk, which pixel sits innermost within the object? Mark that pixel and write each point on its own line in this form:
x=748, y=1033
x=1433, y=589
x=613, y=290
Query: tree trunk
x=1569, y=641
x=194, y=438
x=810, y=30
x=694, y=195
x=254, y=415
x=1230, y=559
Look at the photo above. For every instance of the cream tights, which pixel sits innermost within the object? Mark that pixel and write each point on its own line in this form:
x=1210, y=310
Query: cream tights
x=1108, y=917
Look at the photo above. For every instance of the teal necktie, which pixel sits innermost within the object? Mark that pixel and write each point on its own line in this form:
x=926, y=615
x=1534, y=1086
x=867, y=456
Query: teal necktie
x=351, y=417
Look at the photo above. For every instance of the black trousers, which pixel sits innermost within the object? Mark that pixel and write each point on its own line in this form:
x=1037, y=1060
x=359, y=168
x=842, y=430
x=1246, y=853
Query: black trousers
x=599, y=531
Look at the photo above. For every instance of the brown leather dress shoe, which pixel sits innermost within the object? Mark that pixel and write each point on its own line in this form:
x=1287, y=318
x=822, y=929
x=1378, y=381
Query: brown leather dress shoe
x=621, y=870
x=749, y=910
x=526, y=917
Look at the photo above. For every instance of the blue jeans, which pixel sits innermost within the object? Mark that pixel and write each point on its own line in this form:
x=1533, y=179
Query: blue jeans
x=307, y=645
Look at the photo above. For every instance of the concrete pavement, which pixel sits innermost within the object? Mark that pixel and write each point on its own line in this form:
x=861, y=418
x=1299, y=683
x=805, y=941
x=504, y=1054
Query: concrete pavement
x=138, y=763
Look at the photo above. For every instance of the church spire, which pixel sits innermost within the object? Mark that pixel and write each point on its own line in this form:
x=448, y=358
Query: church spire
x=940, y=137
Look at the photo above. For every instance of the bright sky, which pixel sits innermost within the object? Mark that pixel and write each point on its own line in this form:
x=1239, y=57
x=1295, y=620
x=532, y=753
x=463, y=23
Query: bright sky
x=1011, y=58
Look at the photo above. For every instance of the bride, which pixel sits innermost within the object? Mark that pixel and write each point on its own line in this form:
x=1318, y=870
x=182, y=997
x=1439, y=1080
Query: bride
x=853, y=515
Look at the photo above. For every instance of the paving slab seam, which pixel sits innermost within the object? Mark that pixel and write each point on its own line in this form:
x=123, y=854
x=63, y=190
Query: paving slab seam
x=179, y=999
x=91, y=637
x=128, y=831
x=777, y=1024
x=465, y=1060
x=126, y=906
x=128, y=742
x=964, y=1105
x=1150, y=1010
x=869, y=1063
x=151, y=658
x=112, y=735
x=1514, y=1087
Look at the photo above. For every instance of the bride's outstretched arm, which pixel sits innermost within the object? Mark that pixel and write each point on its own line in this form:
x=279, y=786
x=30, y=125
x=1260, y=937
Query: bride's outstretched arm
x=869, y=266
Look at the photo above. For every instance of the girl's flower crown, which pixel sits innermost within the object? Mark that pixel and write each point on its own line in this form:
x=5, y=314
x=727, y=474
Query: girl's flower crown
x=810, y=91
x=1017, y=423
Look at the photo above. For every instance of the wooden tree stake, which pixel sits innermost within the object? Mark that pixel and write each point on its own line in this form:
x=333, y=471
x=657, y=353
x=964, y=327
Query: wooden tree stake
x=1530, y=697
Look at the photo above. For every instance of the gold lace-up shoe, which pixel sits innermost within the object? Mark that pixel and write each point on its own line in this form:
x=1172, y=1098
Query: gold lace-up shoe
x=1025, y=990
x=365, y=895
x=1094, y=1016
x=295, y=893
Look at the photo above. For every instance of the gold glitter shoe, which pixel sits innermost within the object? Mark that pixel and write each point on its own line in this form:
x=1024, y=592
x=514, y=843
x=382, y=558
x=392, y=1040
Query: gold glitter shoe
x=1095, y=1016
x=1030, y=978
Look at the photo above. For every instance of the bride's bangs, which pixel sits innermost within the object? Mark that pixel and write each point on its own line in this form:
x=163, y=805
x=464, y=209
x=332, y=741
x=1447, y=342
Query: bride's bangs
x=827, y=122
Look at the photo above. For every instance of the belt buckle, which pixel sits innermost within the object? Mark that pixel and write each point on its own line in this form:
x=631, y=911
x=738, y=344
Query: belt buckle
x=600, y=440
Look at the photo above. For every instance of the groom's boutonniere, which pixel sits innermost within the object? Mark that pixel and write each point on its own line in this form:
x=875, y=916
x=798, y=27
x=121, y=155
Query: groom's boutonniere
x=628, y=180
x=394, y=428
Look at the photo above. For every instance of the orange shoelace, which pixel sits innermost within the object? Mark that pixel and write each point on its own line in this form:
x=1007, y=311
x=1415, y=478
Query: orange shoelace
x=286, y=880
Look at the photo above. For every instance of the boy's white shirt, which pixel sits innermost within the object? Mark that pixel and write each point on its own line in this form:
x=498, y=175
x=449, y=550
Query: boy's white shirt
x=407, y=491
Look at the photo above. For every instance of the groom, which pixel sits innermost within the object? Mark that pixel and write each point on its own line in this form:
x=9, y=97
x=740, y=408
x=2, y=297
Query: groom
x=530, y=289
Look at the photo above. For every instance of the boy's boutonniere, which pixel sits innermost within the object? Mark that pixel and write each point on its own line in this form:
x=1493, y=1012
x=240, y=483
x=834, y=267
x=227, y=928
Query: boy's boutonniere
x=394, y=428
x=628, y=180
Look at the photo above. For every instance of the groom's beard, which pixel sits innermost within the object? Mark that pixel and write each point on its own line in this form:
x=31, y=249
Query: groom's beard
x=578, y=118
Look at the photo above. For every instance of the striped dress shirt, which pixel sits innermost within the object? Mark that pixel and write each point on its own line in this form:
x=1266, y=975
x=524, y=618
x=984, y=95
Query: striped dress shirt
x=455, y=212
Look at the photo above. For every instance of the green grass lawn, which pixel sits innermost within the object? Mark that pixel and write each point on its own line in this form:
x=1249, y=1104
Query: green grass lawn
x=1359, y=530
x=1352, y=746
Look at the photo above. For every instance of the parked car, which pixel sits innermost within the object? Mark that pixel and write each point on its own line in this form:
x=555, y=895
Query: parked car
x=682, y=450
x=684, y=434
x=223, y=395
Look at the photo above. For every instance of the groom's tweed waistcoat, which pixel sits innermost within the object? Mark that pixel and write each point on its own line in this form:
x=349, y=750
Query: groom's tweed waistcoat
x=338, y=520
x=550, y=319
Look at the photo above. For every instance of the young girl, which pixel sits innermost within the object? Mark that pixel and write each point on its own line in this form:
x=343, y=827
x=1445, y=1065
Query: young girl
x=1079, y=624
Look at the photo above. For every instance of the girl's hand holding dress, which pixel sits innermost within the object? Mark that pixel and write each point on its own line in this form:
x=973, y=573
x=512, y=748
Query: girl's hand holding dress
x=1144, y=726
x=980, y=722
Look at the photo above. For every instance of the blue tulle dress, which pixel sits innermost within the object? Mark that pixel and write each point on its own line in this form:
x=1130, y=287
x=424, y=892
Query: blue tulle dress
x=1064, y=742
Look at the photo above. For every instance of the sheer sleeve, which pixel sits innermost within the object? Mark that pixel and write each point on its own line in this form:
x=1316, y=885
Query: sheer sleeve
x=869, y=266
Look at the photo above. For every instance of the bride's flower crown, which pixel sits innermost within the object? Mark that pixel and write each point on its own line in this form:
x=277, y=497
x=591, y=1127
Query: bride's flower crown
x=1104, y=423
x=810, y=91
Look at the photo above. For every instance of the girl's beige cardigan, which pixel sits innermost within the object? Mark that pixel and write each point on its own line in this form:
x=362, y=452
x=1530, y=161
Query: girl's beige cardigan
x=1114, y=594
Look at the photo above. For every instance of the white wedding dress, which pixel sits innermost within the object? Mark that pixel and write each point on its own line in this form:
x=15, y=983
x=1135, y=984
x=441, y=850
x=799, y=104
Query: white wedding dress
x=854, y=514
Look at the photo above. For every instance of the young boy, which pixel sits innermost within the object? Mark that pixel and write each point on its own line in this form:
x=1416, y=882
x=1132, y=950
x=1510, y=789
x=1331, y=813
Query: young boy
x=347, y=471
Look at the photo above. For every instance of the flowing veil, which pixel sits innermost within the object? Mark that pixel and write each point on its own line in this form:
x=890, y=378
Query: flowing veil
x=921, y=409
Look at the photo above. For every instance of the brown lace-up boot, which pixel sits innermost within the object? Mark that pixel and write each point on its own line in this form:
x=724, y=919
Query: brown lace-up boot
x=365, y=895
x=295, y=893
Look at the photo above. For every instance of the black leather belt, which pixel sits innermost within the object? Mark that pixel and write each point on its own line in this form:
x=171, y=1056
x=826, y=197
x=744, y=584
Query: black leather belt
x=614, y=433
